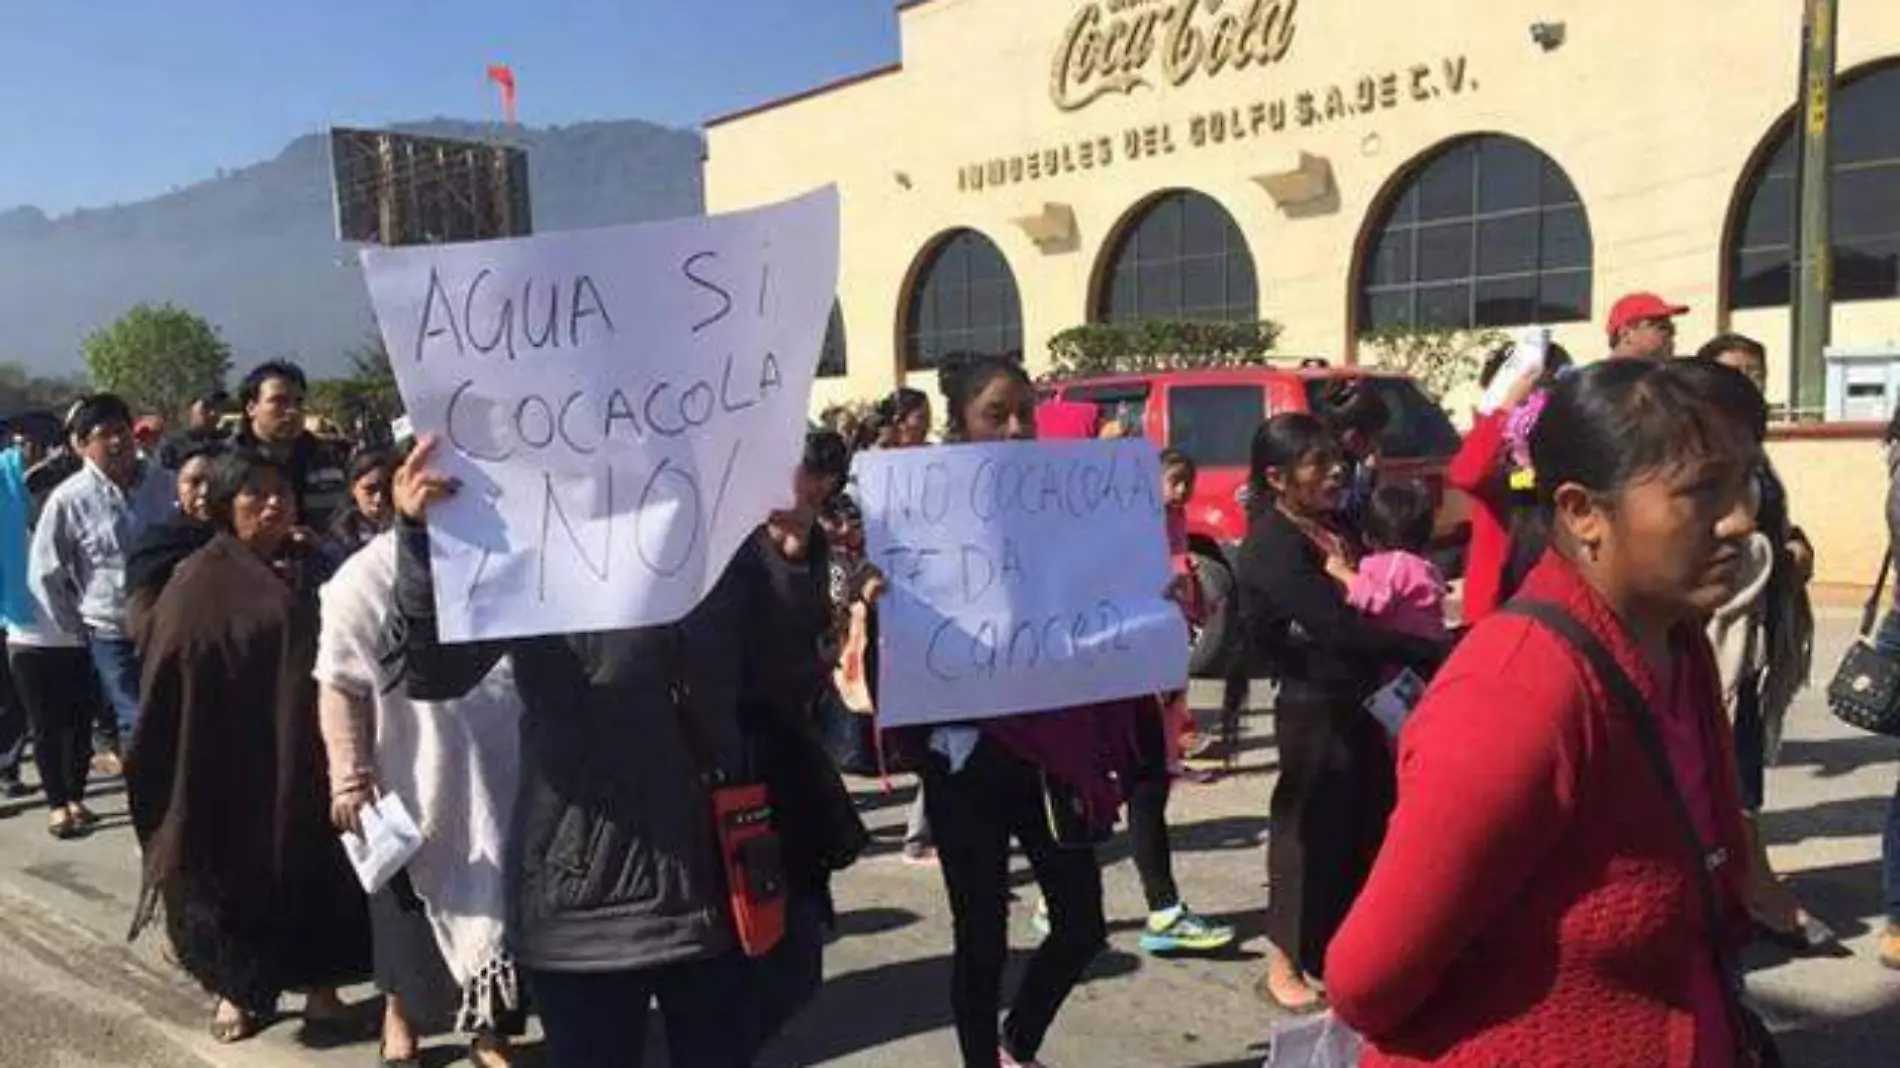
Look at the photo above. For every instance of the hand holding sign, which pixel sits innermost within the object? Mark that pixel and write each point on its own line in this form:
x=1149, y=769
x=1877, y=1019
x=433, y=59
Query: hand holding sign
x=416, y=486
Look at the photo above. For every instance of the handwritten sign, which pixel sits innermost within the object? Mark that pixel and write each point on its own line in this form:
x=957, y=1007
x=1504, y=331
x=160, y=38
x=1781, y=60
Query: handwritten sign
x=623, y=406
x=1024, y=577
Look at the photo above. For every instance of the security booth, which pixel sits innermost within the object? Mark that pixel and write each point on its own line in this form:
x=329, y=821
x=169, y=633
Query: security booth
x=1863, y=384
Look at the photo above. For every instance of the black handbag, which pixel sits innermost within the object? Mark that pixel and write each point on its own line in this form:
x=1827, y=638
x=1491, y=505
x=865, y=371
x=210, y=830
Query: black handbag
x=1755, y=1045
x=1865, y=691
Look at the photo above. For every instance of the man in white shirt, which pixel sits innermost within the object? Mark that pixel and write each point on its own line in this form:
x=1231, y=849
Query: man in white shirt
x=90, y=524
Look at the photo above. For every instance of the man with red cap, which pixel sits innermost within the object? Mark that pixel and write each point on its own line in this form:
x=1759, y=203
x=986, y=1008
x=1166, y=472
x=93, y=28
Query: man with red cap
x=1643, y=326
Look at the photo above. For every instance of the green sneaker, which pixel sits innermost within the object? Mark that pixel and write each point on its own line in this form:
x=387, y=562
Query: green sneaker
x=1180, y=930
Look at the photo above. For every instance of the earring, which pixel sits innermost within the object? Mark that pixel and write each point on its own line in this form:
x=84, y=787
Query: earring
x=1591, y=549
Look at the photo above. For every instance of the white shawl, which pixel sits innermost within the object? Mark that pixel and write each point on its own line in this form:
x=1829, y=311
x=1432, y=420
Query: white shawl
x=455, y=764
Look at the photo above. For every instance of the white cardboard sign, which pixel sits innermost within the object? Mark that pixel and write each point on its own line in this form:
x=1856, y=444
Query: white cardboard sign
x=623, y=406
x=1022, y=577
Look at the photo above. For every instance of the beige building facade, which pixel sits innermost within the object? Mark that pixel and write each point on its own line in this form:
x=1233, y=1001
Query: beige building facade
x=1339, y=167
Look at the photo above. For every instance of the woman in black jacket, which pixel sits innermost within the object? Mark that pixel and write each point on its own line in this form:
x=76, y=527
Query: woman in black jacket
x=1336, y=784
x=616, y=894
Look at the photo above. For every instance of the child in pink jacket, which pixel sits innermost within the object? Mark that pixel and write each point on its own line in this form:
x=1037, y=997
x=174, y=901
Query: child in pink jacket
x=1395, y=585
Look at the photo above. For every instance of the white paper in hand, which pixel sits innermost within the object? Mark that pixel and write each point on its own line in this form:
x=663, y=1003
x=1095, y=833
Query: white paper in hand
x=1530, y=354
x=1322, y=1041
x=389, y=839
x=1394, y=701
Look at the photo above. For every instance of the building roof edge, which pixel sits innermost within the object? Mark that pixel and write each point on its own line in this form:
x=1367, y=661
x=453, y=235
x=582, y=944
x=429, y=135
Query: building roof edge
x=806, y=94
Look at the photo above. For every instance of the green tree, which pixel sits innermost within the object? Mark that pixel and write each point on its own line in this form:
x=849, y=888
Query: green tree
x=158, y=358
x=1439, y=360
x=21, y=388
x=369, y=390
x=374, y=377
x=1159, y=345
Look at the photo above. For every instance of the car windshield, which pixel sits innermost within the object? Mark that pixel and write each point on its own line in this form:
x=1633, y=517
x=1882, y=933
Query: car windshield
x=1125, y=403
x=1418, y=428
x=1214, y=425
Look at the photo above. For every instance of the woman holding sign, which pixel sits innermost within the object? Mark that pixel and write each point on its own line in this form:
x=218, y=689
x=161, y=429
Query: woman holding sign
x=987, y=784
x=1335, y=789
x=626, y=882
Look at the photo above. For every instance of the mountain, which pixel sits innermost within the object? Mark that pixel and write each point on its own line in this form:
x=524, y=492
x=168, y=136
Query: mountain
x=255, y=250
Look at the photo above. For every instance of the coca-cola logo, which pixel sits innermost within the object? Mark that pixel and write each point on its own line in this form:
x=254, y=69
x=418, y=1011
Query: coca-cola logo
x=1115, y=46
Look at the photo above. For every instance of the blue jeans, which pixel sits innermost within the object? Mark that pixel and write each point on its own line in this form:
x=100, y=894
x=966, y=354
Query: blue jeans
x=1887, y=640
x=599, y=1019
x=116, y=661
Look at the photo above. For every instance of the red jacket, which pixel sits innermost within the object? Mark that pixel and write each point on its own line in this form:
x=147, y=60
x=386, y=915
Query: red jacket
x=1478, y=472
x=1534, y=905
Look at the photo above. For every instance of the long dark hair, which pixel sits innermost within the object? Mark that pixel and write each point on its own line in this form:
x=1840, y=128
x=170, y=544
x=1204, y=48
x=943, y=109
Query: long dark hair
x=1280, y=442
x=963, y=380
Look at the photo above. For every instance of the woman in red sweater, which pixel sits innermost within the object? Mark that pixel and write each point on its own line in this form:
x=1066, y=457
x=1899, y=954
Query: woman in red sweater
x=1537, y=900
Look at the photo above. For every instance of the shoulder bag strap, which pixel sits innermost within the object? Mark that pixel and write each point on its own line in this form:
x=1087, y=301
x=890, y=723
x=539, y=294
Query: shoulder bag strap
x=1624, y=692
x=1872, y=611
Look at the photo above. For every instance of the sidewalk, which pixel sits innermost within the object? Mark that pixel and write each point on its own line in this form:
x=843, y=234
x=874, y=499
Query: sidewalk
x=885, y=1004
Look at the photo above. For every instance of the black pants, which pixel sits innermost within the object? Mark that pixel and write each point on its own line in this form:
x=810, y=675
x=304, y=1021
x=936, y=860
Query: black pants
x=408, y=960
x=1326, y=822
x=599, y=1019
x=15, y=726
x=1148, y=814
x=59, y=693
x=973, y=815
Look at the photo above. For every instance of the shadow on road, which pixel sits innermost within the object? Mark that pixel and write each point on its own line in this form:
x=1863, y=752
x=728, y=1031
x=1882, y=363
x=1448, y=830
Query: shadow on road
x=1841, y=895
x=1832, y=758
x=1848, y=818
x=1869, y=1037
x=861, y=922
x=866, y=1009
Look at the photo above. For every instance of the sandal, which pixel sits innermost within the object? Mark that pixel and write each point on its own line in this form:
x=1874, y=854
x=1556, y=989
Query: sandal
x=1263, y=989
x=84, y=816
x=65, y=829
x=487, y=1052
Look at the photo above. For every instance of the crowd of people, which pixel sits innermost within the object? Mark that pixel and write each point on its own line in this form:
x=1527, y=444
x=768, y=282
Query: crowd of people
x=1556, y=840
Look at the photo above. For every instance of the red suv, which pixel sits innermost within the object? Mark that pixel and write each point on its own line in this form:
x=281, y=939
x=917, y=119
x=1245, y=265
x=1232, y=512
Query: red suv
x=1212, y=415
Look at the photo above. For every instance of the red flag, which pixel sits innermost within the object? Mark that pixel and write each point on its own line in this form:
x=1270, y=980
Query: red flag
x=502, y=76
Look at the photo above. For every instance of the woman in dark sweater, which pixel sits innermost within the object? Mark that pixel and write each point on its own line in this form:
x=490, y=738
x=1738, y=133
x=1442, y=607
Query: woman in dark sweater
x=1335, y=789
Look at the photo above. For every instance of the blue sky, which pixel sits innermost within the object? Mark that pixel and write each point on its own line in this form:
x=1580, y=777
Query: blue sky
x=105, y=101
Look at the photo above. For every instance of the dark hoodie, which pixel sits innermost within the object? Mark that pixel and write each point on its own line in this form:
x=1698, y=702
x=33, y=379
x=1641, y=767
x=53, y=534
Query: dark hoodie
x=611, y=861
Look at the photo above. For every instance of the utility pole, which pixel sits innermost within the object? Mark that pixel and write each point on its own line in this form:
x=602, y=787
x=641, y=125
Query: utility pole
x=1813, y=299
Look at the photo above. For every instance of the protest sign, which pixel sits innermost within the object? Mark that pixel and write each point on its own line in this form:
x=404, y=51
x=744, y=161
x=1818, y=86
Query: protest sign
x=1022, y=577
x=623, y=406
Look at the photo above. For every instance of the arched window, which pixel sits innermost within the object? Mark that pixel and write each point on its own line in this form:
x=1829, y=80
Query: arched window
x=962, y=300
x=1180, y=256
x=1487, y=231
x=1866, y=202
x=831, y=357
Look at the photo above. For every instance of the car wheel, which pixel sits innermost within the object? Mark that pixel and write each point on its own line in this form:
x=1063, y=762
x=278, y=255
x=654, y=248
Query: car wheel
x=1216, y=630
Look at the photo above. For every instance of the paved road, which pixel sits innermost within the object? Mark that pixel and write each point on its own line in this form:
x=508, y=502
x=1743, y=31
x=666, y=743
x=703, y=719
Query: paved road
x=73, y=989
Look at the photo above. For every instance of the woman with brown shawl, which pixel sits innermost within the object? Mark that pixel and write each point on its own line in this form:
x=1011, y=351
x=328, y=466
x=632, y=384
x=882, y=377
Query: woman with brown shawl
x=227, y=777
